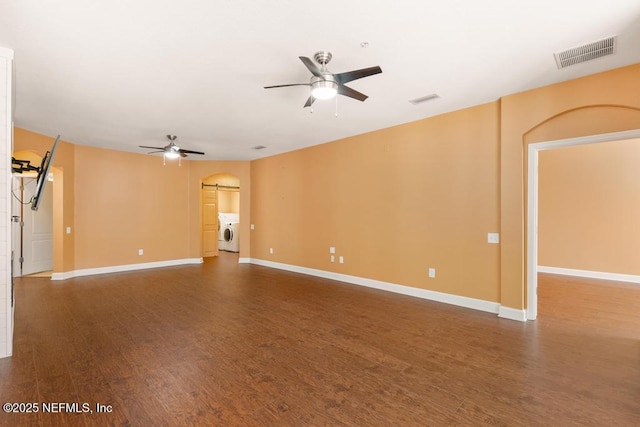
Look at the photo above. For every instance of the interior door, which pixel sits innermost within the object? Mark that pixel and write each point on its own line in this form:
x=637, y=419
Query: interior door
x=37, y=231
x=209, y=221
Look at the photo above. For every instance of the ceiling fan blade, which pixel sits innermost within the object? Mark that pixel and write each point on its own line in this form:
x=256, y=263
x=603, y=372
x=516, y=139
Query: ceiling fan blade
x=153, y=152
x=311, y=66
x=356, y=74
x=190, y=151
x=182, y=154
x=151, y=148
x=293, y=84
x=347, y=91
x=309, y=102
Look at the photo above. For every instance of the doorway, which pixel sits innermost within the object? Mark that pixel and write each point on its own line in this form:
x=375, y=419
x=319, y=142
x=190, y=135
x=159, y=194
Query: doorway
x=32, y=232
x=220, y=199
x=532, y=204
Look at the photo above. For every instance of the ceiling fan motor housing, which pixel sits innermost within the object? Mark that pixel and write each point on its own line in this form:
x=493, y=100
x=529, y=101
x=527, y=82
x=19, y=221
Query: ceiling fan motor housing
x=323, y=57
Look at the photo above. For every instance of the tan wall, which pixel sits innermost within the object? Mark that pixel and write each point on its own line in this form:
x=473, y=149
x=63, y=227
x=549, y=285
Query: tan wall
x=579, y=107
x=126, y=202
x=589, y=207
x=393, y=203
x=117, y=202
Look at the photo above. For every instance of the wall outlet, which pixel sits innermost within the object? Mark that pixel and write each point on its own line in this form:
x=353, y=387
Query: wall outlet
x=432, y=273
x=332, y=249
x=341, y=259
x=253, y=227
x=493, y=238
x=271, y=251
x=333, y=258
x=140, y=251
x=68, y=230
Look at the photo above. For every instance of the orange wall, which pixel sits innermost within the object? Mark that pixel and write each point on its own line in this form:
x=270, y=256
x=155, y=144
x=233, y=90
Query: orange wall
x=393, y=202
x=117, y=202
x=425, y=194
x=126, y=202
x=589, y=207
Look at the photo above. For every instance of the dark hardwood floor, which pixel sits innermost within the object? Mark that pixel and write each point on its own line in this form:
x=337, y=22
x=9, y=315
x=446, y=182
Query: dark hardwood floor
x=242, y=345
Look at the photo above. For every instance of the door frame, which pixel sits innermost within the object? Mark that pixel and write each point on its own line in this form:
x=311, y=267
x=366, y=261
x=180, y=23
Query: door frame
x=532, y=203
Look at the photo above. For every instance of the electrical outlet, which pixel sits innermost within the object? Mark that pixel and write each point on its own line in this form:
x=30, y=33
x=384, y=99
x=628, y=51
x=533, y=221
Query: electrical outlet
x=332, y=249
x=432, y=273
x=341, y=259
x=333, y=258
x=140, y=252
x=271, y=251
x=253, y=226
x=68, y=230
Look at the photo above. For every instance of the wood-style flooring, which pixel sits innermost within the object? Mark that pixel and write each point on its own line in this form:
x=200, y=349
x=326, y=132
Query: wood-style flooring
x=243, y=345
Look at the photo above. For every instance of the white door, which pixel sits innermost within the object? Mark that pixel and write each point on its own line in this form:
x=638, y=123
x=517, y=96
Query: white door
x=37, y=231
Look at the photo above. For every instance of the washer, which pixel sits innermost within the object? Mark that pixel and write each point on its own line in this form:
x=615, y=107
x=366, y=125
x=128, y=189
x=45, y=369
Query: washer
x=224, y=218
x=231, y=237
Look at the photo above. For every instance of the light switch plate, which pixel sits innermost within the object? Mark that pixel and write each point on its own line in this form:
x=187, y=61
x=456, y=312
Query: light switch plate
x=493, y=238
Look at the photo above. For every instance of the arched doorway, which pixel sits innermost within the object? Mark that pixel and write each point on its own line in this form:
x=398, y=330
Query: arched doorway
x=32, y=231
x=220, y=213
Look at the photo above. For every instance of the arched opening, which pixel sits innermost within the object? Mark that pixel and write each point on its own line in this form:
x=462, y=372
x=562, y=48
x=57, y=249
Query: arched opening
x=220, y=213
x=35, y=244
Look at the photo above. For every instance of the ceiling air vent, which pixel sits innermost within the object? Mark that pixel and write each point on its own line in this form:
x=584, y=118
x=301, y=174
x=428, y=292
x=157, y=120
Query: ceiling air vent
x=586, y=52
x=424, y=99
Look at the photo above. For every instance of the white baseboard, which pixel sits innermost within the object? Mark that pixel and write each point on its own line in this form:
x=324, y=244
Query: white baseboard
x=512, y=314
x=244, y=260
x=120, y=268
x=590, y=274
x=476, y=304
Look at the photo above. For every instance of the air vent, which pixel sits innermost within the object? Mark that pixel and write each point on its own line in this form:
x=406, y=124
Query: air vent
x=424, y=99
x=259, y=147
x=587, y=52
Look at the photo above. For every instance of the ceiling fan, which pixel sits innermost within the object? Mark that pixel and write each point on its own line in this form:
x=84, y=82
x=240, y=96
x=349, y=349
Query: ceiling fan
x=171, y=151
x=325, y=85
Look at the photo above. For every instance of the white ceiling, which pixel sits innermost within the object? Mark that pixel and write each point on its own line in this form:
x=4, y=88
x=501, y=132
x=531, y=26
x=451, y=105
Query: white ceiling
x=123, y=73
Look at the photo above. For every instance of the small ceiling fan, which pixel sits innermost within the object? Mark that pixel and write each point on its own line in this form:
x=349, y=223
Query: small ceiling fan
x=171, y=151
x=325, y=85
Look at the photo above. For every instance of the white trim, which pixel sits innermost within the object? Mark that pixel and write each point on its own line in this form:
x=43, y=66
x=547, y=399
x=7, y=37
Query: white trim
x=631, y=278
x=8, y=310
x=119, y=268
x=512, y=314
x=473, y=303
x=532, y=205
x=243, y=260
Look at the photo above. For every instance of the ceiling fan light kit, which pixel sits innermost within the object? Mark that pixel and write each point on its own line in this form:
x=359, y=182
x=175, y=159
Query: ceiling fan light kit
x=323, y=88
